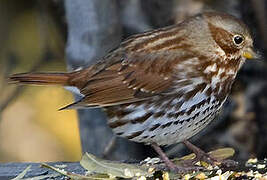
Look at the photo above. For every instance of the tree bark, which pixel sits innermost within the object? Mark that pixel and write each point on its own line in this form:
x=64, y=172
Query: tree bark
x=94, y=29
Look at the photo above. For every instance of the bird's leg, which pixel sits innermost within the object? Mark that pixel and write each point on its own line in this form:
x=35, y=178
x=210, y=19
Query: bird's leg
x=170, y=165
x=202, y=156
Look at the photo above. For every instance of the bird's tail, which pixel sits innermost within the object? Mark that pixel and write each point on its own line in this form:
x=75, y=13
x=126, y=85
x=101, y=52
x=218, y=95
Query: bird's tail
x=41, y=78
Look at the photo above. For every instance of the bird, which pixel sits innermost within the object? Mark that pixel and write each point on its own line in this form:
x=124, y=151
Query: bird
x=163, y=86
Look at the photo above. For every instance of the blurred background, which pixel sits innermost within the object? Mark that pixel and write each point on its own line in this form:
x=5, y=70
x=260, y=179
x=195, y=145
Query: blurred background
x=61, y=35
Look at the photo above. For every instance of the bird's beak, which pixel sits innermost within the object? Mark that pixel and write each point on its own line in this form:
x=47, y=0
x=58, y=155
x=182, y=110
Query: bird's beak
x=249, y=53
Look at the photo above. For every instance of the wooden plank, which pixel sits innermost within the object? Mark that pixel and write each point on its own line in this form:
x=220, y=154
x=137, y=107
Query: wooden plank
x=11, y=170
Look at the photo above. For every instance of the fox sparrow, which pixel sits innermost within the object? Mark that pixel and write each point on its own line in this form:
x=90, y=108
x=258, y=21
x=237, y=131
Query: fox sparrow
x=163, y=86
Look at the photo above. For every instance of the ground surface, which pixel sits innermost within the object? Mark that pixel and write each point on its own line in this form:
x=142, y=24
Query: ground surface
x=91, y=167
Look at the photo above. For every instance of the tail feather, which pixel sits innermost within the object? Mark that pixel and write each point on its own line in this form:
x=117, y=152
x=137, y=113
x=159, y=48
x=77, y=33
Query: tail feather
x=41, y=78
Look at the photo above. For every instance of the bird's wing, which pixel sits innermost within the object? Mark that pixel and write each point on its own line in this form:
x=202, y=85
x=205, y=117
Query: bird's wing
x=133, y=79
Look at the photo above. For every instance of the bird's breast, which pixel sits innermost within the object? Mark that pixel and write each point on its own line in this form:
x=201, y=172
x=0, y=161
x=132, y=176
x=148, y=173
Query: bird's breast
x=164, y=120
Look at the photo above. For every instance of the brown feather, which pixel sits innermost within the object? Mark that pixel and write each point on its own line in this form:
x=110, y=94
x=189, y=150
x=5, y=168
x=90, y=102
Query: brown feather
x=123, y=83
x=41, y=78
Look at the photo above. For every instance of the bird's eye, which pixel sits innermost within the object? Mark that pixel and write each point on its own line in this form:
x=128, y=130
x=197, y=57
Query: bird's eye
x=238, y=39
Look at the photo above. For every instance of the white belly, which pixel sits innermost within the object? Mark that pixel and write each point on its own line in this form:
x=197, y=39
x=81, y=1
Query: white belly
x=166, y=130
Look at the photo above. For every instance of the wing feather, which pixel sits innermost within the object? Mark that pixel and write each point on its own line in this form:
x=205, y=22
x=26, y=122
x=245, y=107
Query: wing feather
x=123, y=83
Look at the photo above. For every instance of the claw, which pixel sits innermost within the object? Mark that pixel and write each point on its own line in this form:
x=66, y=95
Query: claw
x=229, y=163
x=182, y=170
x=169, y=165
x=179, y=169
x=202, y=156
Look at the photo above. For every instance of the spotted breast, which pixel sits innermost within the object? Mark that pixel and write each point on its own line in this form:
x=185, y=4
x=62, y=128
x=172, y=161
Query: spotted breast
x=177, y=115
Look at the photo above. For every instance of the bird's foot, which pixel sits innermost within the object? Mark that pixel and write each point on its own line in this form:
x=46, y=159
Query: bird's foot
x=203, y=156
x=184, y=170
x=179, y=169
x=210, y=160
x=228, y=163
x=170, y=166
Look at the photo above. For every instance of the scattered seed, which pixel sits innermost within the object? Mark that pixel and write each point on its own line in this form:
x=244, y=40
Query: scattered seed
x=261, y=166
x=252, y=161
x=201, y=176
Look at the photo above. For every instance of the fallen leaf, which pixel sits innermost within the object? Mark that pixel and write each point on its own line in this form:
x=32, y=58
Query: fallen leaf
x=222, y=153
x=115, y=169
x=65, y=173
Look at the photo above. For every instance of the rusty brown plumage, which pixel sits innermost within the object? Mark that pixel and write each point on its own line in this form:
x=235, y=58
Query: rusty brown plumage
x=163, y=86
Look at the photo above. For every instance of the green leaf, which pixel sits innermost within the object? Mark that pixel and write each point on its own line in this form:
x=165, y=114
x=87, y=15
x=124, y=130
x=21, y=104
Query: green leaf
x=114, y=169
x=222, y=153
